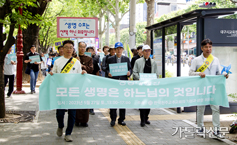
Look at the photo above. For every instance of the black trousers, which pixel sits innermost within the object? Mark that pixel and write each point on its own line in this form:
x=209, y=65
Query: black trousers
x=144, y=114
x=44, y=72
x=11, y=83
x=113, y=114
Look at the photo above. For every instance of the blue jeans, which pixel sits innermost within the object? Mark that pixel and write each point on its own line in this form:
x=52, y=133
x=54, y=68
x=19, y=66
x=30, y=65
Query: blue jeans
x=70, y=121
x=33, y=78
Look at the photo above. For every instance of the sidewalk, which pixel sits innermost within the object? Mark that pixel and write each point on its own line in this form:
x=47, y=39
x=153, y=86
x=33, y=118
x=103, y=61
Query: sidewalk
x=99, y=132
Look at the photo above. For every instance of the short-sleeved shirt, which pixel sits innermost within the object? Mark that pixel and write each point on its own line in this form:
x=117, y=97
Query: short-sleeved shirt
x=34, y=67
x=9, y=69
x=61, y=62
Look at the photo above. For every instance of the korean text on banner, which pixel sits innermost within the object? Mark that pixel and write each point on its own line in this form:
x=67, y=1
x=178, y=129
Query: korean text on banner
x=118, y=69
x=89, y=91
x=147, y=76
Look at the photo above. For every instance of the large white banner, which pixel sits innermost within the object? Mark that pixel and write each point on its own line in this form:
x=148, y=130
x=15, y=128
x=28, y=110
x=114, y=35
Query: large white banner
x=76, y=27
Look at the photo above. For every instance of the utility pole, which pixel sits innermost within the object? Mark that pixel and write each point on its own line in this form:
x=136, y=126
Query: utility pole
x=188, y=41
x=107, y=31
x=132, y=24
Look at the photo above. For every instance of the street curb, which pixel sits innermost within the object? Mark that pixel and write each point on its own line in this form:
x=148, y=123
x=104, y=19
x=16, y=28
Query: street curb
x=27, y=85
x=36, y=117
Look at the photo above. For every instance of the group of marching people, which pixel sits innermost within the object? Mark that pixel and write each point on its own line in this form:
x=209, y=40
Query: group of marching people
x=70, y=62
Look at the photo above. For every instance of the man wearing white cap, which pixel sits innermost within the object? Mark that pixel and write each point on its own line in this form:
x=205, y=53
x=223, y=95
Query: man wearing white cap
x=144, y=65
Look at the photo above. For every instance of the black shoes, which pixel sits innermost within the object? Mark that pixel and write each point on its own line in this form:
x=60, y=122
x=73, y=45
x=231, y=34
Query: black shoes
x=32, y=91
x=122, y=123
x=84, y=124
x=112, y=123
x=142, y=124
x=147, y=122
x=76, y=124
x=92, y=112
x=81, y=124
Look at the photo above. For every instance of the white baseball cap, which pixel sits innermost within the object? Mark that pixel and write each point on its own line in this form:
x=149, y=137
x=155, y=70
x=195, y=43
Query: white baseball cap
x=145, y=47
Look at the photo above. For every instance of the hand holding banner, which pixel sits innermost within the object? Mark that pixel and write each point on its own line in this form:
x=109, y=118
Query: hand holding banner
x=11, y=57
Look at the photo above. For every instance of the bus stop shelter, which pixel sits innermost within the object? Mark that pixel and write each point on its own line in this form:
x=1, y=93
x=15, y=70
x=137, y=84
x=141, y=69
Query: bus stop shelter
x=205, y=20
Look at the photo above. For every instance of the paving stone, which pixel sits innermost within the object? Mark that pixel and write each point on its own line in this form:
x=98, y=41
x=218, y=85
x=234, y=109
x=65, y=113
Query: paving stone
x=99, y=131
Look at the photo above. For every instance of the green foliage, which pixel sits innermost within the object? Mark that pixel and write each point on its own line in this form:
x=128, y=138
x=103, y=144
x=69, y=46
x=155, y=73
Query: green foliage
x=14, y=16
x=48, y=31
x=140, y=35
x=195, y=6
x=167, y=74
x=92, y=8
x=233, y=95
x=192, y=28
x=124, y=35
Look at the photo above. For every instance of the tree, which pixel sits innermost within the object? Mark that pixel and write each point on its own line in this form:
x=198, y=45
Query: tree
x=168, y=38
x=86, y=8
x=9, y=16
x=195, y=6
x=192, y=28
x=140, y=35
x=48, y=31
x=31, y=33
x=95, y=10
x=117, y=8
x=150, y=18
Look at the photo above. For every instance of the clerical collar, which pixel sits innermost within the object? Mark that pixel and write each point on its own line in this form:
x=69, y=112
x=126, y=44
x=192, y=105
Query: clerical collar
x=146, y=59
x=118, y=57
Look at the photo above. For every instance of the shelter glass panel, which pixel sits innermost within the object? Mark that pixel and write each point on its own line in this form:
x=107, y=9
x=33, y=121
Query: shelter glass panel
x=157, y=49
x=171, y=51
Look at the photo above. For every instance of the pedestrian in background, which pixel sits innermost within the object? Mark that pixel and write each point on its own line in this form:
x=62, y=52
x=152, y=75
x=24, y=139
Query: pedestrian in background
x=33, y=68
x=82, y=115
x=9, y=73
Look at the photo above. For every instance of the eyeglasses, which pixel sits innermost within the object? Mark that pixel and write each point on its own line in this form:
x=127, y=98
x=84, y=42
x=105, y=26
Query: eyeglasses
x=68, y=47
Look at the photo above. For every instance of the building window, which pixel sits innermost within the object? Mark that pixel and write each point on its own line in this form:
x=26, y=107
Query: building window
x=173, y=8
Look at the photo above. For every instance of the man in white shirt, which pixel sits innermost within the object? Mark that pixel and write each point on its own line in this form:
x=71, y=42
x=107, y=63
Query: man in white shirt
x=207, y=64
x=66, y=64
x=43, y=65
x=9, y=71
